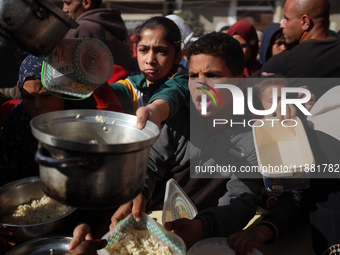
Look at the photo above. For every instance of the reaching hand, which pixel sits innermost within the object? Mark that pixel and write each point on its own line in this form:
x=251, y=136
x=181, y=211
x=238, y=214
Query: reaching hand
x=244, y=241
x=191, y=231
x=290, y=112
x=88, y=247
x=157, y=112
x=136, y=207
x=81, y=232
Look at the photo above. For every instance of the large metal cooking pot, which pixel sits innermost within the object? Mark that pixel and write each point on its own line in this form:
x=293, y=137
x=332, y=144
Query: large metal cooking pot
x=36, y=26
x=91, y=158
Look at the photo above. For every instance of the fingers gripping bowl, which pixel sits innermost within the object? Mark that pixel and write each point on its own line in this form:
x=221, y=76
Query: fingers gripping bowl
x=92, y=159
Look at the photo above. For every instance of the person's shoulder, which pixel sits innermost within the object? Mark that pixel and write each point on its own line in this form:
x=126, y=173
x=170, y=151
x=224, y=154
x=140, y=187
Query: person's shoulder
x=137, y=80
x=179, y=76
x=243, y=141
x=108, y=14
x=182, y=117
x=276, y=63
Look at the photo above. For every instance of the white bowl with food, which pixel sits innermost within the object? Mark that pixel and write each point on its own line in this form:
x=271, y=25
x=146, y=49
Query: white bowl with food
x=144, y=237
x=25, y=207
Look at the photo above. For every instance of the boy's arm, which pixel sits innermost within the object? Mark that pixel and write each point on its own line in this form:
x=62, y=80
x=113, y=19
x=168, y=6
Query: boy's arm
x=286, y=215
x=170, y=150
x=239, y=208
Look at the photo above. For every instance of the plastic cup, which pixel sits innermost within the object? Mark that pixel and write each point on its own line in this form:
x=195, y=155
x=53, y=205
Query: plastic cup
x=77, y=67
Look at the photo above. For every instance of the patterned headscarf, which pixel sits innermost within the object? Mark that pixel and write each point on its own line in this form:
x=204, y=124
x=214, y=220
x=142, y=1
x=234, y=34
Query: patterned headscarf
x=30, y=67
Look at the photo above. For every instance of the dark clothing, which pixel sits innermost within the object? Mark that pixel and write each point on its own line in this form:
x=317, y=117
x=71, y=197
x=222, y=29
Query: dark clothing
x=18, y=147
x=11, y=57
x=309, y=59
x=324, y=213
x=317, y=59
x=107, y=26
x=226, y=203
x=266, y=44
x=289, y=211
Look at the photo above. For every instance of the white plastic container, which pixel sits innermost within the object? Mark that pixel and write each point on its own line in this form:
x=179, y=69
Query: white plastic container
x=176, y=203
x=284, y=154
x=77, y=67
x=175, y=243
x=215, y=246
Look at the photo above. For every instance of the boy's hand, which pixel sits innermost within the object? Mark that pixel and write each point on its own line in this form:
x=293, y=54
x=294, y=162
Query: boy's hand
x=81, y=232
x=191, y=231
x=244, y=241
x=136, y=207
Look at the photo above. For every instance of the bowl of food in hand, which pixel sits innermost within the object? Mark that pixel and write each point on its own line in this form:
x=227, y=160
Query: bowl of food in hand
x=26, y=209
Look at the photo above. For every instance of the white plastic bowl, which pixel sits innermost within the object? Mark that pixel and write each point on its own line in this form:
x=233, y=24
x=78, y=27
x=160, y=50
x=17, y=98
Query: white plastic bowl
x=215, y=246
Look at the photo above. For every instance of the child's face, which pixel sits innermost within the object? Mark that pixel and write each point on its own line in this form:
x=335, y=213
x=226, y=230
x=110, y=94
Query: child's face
x=267, y=96
x=37, y=100
x=211, y=68
x=155, y=55
x=245, y=47
x=279, y=46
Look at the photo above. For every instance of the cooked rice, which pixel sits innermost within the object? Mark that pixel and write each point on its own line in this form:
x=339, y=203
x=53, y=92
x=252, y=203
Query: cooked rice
x=37, y=211
x=138, y=243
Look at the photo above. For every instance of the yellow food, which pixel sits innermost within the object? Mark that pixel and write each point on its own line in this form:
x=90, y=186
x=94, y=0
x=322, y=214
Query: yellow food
x=100, y=119
x=37, y=211
x=138, y=243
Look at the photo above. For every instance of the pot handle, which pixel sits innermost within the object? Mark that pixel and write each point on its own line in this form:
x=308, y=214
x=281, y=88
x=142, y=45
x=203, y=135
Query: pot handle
x=59, y=163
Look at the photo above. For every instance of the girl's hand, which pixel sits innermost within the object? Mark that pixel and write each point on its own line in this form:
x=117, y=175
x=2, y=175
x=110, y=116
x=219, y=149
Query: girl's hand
x=157, y=112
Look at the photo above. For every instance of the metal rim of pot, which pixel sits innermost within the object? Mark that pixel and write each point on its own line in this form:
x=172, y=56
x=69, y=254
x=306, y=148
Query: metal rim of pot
x=41, y=122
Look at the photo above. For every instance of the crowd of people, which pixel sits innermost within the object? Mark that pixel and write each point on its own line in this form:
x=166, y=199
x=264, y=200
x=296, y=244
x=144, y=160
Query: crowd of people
x=171, y=78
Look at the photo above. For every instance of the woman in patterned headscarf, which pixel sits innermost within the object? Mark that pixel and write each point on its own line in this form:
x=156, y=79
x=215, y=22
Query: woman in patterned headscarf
x=17, y=144
x=246, y=34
